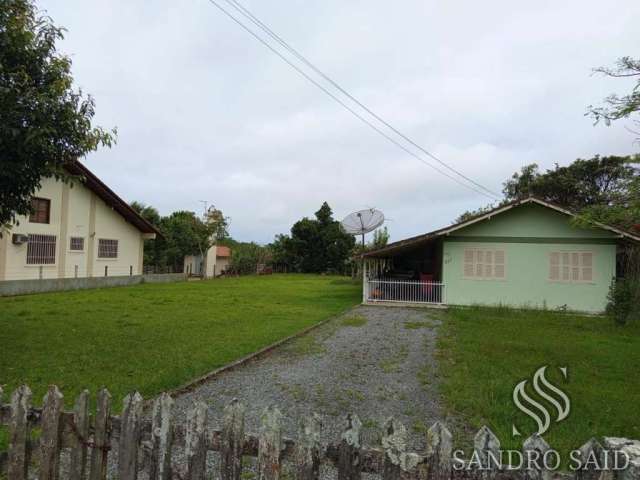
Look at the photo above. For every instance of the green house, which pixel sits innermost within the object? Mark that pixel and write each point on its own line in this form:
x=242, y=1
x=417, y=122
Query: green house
x=523, y=254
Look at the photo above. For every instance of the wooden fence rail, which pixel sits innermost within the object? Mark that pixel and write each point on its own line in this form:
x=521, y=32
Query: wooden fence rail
x=137, y=442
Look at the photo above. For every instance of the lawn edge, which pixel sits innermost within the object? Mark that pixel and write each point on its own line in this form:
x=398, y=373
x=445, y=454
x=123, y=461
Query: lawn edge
x=193, y=384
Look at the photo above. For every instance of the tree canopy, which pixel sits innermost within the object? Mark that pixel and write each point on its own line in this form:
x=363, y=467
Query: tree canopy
x=184, y=233
x=315, y=245
x=616, y=106
x=44, y=121
x=601, y=189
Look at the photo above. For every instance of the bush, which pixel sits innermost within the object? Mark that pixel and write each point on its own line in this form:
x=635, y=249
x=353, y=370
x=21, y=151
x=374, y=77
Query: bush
x=624, y=300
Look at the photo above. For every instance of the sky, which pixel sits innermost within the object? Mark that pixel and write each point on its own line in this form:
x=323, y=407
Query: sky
x=204, y=112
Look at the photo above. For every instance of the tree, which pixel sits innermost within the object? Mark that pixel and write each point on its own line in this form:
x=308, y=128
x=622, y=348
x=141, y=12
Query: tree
x=44, y=122
x=316, y=245
x=152, y=254
x=615, y=106
x=595, y=181
x=600, y=189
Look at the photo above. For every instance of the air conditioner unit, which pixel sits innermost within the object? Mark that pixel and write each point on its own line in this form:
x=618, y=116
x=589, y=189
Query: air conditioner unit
x=19, y=238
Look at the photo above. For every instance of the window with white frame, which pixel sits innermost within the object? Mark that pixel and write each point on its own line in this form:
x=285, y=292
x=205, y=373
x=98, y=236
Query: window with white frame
x=76, y=244
x=41, y=249
x=484, y=263
x=107, y=248
x=572, y=267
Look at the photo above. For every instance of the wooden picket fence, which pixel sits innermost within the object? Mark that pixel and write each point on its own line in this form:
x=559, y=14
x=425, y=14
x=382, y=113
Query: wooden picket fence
x=145, y=443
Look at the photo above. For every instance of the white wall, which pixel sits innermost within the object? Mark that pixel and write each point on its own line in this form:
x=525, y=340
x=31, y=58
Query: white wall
x=75, y=220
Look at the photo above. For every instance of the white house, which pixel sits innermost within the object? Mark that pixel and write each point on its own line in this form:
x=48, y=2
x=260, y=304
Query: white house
x=82, y=229
x=215, y=262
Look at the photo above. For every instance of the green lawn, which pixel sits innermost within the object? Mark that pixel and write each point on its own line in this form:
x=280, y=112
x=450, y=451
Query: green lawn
x=154, y=337
x=484, y=353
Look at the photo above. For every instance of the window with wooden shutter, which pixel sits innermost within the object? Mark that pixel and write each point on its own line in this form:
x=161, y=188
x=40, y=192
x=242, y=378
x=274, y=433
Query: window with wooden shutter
x=571, y=267
x=484, y=264
x=40, y=210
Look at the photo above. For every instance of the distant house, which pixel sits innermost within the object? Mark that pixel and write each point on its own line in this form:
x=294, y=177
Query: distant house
x=79, y=230
x=523, y=254
x=214, y=263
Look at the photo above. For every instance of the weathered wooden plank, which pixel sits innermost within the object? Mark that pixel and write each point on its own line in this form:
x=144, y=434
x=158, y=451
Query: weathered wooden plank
x=161, y=438
x=195, y=442
x=439, y=452
x=307, y=453
x=270, y=444
x=397, y=461
x=349, y=450
x=534, y=449
x=129, y=441
x=19, y=434
x=101, y=437
x=591, y=455
x=53, y=405
x=487, y=450
x=81, y=423
x=232, y=441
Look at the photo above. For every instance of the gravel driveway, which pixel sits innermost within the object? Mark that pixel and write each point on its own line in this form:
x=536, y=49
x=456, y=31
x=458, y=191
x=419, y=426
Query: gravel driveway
x=373, y=361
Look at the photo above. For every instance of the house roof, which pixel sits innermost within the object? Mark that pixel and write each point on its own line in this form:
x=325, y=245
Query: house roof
x=223, y=251
x=109, y=197
x=427, y=237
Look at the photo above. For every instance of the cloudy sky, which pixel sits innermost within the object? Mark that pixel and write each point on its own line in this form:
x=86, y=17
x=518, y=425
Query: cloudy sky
x=205, y=112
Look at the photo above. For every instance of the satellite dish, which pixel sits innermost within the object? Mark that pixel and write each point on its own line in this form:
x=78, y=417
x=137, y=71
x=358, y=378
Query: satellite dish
x=363, y=221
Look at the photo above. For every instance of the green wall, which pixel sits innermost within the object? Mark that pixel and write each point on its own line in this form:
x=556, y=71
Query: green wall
x=528, y=234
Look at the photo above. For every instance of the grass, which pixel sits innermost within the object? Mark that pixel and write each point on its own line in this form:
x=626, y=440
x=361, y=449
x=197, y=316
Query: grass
x=485, y=352
x=354, y=321
x=154, y=337
x=417, y=325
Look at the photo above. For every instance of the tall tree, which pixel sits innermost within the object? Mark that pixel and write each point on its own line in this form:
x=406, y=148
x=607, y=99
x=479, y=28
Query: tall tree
x=316, y=245
x=44, y=121
x=617, y=106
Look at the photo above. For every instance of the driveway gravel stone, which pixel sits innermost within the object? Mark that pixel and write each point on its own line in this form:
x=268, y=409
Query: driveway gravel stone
x=376, y=362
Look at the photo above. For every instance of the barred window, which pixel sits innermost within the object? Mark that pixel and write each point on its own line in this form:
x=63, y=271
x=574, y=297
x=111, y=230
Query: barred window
x=107, y=248
x=571, y=267
x=484, y=264
x=40, y=210
x=41, y=250
x=76, y=244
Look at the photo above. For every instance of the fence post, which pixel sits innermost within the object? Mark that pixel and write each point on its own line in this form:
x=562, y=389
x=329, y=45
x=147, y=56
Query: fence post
x=588, y=452
x=195, y=446
x=270, y=444
x=397, y=462
x=129, y=437
x=53, y=405
x=75, y=271
x=19, y=434
x=535, y=446
x=232, y=441
x=161, y=438
x=439, y=452
x=40, y=272
x=365, y=282
x=487, y=448
x=349, y=450
x=307, y=453
x=131, y=270
x=101, y=437
x=81, y=429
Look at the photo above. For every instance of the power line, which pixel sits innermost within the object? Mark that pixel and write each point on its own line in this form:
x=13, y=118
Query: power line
x=353, y=112
x=249, y=15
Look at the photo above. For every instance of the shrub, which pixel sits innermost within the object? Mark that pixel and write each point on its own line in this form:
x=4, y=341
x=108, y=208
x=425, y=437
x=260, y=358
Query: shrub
x=624, y=300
